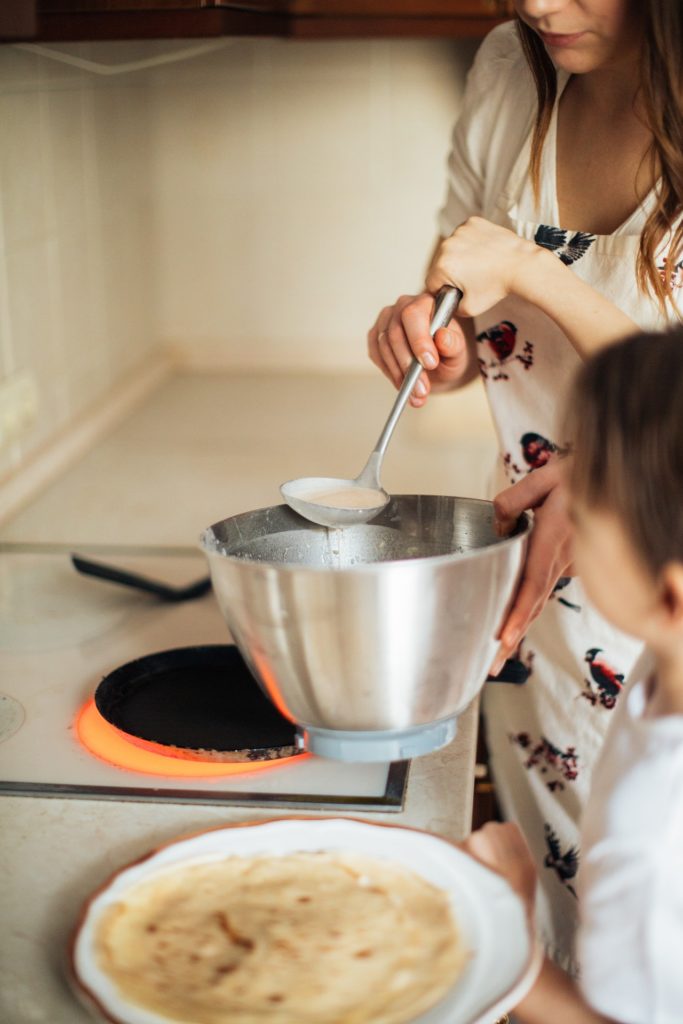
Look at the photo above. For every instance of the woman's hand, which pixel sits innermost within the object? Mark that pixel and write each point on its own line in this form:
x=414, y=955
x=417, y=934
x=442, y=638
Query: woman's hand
x=401, y=331
x=485, y=261
x=549, y=552
x=488, y=263
x=503, y=848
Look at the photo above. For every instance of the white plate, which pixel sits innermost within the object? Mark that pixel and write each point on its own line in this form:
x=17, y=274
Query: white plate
x=489, y=914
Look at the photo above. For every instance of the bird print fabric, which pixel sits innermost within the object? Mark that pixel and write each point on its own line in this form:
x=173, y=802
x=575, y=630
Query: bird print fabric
x=501, y=341
x=562, y=583
x=535, y=450
x=565, y=863
x=605, y=684
x=676, y=273
x=567, y=248
x=556, y=765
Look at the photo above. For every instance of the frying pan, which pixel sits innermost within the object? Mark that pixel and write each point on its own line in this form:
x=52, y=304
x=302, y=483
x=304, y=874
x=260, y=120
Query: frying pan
x=196, y=703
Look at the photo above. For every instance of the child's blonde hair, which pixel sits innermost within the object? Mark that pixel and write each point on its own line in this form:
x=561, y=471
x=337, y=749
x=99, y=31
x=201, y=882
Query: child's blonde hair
x=625, y=420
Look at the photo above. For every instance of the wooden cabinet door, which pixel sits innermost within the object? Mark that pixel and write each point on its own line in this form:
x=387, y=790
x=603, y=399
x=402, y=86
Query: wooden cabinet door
x=156, y=19
x=411, y=18
x=397, y=8
x=18, y=19
x=330, y=19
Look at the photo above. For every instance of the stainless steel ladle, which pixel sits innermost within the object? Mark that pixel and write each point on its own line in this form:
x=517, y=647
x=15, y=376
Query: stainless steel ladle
x=305, y=495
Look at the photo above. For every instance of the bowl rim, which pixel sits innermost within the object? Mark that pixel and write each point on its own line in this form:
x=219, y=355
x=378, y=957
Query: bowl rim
x=522, y=984
x=525, y=526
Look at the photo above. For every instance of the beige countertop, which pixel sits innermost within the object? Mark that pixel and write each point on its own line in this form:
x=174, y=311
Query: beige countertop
x=207, y=446
x=55, y=852
x=201, y=448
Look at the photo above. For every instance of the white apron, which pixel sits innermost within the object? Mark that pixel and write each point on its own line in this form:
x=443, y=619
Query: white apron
x=544, y=737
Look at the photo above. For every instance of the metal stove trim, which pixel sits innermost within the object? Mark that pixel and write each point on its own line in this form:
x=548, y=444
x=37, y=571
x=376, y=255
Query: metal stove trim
x=391, y=801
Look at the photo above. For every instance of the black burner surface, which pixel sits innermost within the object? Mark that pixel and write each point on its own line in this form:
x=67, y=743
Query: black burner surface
x=199, y=700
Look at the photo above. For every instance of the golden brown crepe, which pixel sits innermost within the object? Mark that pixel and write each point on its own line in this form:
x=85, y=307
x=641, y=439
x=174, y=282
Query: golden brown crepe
x=304, y=938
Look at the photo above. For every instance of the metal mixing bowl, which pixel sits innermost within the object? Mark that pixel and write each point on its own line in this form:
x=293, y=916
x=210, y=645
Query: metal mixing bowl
x=385, y=629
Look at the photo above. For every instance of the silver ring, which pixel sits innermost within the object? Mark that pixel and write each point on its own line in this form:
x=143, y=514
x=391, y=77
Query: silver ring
x=382, y=334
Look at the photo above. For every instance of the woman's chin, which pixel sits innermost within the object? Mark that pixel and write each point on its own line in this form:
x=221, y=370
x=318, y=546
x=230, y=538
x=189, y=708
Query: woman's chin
x=573, y=61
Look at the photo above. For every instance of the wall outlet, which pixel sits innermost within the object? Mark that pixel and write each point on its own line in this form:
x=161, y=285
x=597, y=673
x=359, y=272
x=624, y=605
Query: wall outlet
x=19, y=402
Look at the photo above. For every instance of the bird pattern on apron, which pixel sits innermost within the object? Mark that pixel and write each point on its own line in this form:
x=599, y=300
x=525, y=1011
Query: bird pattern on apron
x=545, y=736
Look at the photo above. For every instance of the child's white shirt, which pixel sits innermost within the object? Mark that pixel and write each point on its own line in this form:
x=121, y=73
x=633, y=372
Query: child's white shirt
x=630, y=882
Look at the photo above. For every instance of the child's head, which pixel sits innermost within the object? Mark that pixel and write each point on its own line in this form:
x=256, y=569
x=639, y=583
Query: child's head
x=625, y=480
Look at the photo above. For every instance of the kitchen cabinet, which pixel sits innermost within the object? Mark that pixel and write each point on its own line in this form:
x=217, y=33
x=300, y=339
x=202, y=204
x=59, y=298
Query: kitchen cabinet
x=416, y=18
x=61, y=20
x=300, y=19
x=17, y=20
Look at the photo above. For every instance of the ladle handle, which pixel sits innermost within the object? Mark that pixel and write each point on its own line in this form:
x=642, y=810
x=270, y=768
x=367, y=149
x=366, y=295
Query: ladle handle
x=447, y=301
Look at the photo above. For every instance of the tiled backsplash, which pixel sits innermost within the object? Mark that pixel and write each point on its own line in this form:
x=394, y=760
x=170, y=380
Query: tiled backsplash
x=249, y=207
x=76, y=236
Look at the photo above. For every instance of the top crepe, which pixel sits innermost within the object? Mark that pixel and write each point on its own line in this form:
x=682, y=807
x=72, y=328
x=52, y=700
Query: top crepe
x=305, y=938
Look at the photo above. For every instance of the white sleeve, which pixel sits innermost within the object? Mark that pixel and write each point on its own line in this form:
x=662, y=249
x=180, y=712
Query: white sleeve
x=631, y=935
x=499, y=94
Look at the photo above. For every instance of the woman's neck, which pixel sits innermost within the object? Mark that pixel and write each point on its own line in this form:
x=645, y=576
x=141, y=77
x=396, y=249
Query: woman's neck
x=602, y=170
x=607, y=91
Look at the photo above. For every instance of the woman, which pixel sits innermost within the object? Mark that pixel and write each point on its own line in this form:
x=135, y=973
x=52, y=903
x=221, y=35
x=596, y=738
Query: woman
x=569, y=152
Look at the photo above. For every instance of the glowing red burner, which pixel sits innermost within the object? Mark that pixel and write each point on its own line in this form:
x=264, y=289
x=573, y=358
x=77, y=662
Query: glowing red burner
x=106, y=742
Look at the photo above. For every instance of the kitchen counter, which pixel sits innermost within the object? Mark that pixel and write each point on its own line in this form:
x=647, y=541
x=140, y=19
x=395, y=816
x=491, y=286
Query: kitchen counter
x=202, y=448
x=55, y=852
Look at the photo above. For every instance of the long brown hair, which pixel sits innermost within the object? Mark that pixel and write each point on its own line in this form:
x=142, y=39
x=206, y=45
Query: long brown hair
x=661, y=86
x=628, y=441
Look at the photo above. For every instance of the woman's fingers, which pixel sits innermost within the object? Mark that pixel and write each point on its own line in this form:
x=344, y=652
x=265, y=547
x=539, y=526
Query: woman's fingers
x=416, y=320
x=503, y=848
x=527, y=493
x=531, y=597
x=548, y=558
x=378, y=349
x=388, y=343
x=402, y=333
x=389, y=361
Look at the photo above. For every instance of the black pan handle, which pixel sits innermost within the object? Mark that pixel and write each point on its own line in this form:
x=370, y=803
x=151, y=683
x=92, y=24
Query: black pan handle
x=131, y=579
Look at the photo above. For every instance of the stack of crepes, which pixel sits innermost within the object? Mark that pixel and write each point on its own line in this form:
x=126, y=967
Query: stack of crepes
x=303, y=938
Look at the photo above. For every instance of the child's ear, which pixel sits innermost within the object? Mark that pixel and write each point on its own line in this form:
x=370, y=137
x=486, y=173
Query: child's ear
x=672, y=594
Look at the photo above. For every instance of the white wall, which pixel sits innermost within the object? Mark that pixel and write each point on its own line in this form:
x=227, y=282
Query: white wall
x=296, y=188
x=76, y=237
x=249, y=207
